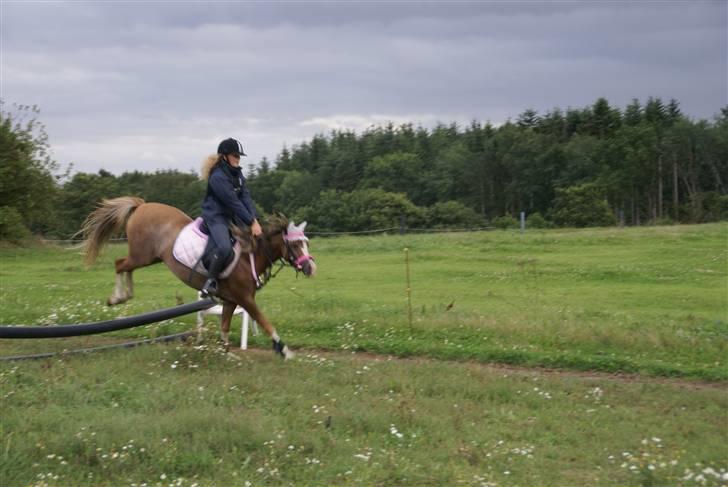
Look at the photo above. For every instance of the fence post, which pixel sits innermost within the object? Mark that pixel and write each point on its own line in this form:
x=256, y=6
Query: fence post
x=409, y=289
x=402, y=224
x=523, y=221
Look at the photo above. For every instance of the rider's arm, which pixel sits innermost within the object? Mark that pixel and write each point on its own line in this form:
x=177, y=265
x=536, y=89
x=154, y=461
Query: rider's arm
x=247, y=201
x=224, y=191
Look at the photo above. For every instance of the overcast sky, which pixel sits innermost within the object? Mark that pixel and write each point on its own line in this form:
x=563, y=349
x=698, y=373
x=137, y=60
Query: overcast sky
x=156, y=85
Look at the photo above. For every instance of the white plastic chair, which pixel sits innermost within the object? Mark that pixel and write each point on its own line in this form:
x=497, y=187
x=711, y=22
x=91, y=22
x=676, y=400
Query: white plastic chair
x=217, y=311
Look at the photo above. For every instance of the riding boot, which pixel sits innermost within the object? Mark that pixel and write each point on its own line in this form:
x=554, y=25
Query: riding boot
x=217, y=262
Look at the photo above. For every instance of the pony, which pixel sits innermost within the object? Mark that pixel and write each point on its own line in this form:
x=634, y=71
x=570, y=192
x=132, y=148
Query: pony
x=151, y=230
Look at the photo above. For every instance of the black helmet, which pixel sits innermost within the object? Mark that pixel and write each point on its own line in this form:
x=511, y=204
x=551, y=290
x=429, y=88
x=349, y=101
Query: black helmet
x=230, y=146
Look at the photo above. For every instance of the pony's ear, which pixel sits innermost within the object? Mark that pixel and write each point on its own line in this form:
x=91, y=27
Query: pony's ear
x=302, y=226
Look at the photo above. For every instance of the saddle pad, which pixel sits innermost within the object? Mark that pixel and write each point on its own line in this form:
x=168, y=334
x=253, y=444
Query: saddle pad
x=190, y=245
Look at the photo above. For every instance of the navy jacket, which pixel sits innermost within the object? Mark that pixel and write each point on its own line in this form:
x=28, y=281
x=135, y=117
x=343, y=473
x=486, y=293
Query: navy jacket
x=227, y=199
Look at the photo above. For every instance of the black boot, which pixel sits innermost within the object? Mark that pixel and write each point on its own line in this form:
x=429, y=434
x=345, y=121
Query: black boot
x=209, y=288
x=217, y=262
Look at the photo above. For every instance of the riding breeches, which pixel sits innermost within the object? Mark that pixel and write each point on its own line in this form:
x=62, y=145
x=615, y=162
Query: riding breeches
x=219, y=240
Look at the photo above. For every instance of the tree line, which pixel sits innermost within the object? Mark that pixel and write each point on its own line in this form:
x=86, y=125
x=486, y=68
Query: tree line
x=598, y=165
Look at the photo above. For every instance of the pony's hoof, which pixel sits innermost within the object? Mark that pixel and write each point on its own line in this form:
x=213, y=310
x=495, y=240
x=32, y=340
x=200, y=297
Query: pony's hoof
x=288, y=354
x=282, y=349
x=116, y=300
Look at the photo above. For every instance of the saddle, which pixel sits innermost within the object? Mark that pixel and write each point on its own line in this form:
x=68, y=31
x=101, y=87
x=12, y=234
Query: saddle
x=190, y=246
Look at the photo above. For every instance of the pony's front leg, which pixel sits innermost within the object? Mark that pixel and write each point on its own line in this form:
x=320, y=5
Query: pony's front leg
x=278, y=346
x=225, y=319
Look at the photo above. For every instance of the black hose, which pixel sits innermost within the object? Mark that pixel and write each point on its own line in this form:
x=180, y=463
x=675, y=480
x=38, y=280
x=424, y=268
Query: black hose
x=36, y=356
x=20, y=331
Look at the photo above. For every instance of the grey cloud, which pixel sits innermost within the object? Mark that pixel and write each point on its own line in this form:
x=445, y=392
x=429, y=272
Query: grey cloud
x=126, y=78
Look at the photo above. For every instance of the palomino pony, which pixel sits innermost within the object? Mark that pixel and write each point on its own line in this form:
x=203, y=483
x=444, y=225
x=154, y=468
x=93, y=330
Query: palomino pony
x=151, y=230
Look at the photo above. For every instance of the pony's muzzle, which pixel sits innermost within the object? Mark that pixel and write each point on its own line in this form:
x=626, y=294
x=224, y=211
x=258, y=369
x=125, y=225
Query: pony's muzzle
x=306, y=264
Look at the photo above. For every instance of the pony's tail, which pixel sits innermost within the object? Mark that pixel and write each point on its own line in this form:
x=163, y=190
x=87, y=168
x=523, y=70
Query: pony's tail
x=107, y=220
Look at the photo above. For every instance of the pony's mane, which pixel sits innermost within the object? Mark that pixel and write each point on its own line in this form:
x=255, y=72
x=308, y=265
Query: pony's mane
x=277, y=223
x=207, y=165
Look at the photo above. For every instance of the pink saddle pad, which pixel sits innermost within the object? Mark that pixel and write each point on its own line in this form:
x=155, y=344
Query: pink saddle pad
x=190, y=245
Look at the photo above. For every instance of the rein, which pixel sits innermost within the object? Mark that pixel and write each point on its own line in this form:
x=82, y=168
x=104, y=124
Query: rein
x=267, y=274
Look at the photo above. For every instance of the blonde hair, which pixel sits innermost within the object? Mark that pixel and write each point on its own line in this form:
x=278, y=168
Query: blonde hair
x=207, y=164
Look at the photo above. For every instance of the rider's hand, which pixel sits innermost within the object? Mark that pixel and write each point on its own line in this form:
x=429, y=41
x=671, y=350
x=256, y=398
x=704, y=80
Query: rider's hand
x=256, y=229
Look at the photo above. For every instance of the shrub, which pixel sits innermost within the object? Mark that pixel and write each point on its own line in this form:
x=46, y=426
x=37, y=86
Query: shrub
x=711, y=206
x=724, y=207
x=12, y=228
x=359, y=210
x=665, y=220
x=504, y=222
x=452, y=214
x=536, y=220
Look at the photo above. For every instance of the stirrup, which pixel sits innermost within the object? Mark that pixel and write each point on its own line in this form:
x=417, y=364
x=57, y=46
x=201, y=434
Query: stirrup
x=210, y=288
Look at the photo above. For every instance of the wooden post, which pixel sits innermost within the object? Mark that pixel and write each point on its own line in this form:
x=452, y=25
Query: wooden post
x=409, y=289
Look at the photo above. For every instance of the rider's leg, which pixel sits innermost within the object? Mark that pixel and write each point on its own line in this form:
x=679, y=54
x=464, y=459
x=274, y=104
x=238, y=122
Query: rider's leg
x=220, y=253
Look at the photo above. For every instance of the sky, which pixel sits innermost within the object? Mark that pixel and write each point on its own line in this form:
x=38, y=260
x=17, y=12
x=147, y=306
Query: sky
x=156, y=85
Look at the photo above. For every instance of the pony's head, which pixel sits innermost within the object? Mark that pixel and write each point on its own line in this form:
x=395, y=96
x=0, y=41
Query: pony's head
x=297, y=249
x=293, y=243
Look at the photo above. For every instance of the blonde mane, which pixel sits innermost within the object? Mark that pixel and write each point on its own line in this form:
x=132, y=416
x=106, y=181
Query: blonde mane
x=207, y=165
x=277, y=223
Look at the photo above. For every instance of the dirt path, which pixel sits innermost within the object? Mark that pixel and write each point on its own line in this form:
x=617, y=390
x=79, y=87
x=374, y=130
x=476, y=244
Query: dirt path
x=502, y=368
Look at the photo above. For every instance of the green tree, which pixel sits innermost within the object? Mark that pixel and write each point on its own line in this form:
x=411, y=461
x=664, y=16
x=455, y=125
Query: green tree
x=398, y=172
x=27, y=182
x=264, y=189
x=297, y=190
x=603, y=120
x=528, y=119
x=581, y=206
x=633, y=113
x=79, y=197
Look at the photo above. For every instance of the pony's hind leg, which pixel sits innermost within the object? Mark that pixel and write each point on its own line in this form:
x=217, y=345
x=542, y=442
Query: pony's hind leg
x=129, y=285
x=225, y=319
x=119, y=294
x=124, y=285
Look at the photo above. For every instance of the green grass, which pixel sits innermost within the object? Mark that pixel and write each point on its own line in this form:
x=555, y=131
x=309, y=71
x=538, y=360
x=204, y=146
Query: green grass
x=638, y=300
x=649, y=301
x=180, y=415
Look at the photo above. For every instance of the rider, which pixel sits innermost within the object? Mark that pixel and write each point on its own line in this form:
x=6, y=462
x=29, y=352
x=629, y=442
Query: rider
x=227, y=200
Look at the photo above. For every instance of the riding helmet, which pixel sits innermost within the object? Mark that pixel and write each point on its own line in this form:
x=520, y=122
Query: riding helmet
x=230, y=146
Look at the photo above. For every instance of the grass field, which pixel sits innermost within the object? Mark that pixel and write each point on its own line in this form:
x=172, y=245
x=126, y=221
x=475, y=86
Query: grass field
x=647, y=300
x=651, y=302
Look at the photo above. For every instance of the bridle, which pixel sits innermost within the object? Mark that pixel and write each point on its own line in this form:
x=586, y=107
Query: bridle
x=290, y=260
x=296, y=236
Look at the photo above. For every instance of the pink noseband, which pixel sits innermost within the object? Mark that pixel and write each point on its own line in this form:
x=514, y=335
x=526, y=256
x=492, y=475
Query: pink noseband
x=298, y=236
x=303, y=259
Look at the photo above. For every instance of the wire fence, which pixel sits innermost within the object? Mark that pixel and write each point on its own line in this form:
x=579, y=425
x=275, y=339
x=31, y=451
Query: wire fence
x=400, y=230
x=72, y=241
